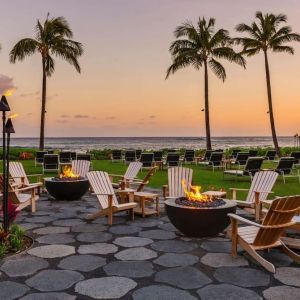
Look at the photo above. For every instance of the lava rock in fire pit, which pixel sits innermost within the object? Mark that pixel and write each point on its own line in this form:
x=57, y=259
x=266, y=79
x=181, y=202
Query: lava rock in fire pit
x=214, y=203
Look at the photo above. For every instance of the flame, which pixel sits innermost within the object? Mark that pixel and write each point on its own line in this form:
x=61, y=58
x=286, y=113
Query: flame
x=195, y=193
x=67, y=172
x=13, y=116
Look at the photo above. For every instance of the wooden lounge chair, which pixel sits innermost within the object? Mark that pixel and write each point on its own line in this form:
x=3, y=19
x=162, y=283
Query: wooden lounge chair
x=285, y=168
x=129, y=156
x=81, y=167
x=116, y=155
x=147, y=160
x=252, y=166
x=267, y=235
x=215, y=161
x=174, y=188
x=261, y=187
x=20, y=178
x=50, y=163
x=270, y=155
x=39, y=157
x=103, y=189
x=19, y=197
x=130, y=174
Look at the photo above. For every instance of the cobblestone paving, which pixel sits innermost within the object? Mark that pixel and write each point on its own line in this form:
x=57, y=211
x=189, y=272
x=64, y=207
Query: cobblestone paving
x=142, y=260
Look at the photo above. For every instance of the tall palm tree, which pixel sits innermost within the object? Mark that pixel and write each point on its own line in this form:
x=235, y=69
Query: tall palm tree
x=53, y=38
x=266, y=34
x=202, y=45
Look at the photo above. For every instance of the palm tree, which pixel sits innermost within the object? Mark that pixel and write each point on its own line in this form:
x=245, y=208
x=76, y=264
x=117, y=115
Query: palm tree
x=53, y=38
x=266, y=34
x=202, y=46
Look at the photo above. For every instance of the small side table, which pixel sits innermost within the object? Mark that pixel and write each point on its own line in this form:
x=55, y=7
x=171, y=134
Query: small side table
x=216, y=194
x=142, y=197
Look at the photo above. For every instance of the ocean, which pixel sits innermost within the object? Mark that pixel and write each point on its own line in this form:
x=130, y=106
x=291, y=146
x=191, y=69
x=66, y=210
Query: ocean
x=148, y=143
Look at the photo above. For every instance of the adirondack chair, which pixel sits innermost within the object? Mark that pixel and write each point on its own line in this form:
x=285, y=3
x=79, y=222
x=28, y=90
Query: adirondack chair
x=130, y=174
x=138, y=185
x=261, y=187
x=267, y=235
x=174, y=188
x=103, y=189
x=20, y=178
x=81, y=167
x=19, y=197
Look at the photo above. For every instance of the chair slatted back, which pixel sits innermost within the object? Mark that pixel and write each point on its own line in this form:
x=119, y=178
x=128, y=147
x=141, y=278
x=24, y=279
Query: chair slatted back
x=280, y=215
x=146, y=179
x=81, y=167
x=263, y=182
x=175, y=177
x=17, y=172
x=132, y=170
x=12, y=196
x=285, y=165
x=101, y=184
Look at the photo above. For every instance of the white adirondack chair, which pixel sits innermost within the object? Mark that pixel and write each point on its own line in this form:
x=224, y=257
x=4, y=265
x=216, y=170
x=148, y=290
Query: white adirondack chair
x=19, y=197
x=103, y=189
x=174, y=188
x=20, y=178
x=261, y=187
x=81, y=167
x=130, y=174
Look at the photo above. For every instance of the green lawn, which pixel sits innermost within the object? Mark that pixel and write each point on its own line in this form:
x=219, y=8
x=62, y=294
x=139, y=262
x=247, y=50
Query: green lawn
x=202, y=176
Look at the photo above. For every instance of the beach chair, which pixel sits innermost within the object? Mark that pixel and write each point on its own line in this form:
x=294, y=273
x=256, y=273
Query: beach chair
x=267, y=235
x=116, y=155
x=138, y=154
x=20, y=178
x=171, y=151
x=147, y=160
x=241, y=159
x=39, y=157
x=296, y=155
x=81, y=167
x=51, y=163
x=234, y=153
x=129, y=156
x=174, y=189
x=261, y=187
x=130, y=174
x=19, y=197
x=65, y=157
x=172, y=159
x=73, y=155
x=285, y=168
x=215, y=161
x=189, y=156
x=252, y=166
x=270, y=155
x=84, y=156
x=103, y=189
x=253, y=153
x=158, y=156
x=207, y=155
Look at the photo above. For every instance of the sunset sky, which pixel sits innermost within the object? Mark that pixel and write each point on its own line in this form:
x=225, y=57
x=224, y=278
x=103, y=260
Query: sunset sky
x=122, y=89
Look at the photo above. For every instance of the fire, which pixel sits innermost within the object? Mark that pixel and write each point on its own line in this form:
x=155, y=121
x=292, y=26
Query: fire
x=13, y=116
x=67, y=172
x=195, y=193
x=8, y=92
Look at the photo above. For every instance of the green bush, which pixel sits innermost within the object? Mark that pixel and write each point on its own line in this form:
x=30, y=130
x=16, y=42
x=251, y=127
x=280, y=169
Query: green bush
x=3, y=250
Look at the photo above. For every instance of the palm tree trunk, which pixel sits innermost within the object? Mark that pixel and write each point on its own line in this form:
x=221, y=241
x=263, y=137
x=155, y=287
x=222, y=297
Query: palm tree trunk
x=272, y=122
x=43, y=108
x=207, y=123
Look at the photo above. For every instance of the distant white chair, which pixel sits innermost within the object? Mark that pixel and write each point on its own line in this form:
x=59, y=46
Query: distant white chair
x=174, y=189
x=81, y=167
x=103, y=189
x=261, y=187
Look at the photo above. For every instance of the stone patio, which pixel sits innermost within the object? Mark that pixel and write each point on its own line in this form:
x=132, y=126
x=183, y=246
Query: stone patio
x=141, y=260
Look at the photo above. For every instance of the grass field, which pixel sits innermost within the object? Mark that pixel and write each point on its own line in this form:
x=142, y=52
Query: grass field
x=201, y=176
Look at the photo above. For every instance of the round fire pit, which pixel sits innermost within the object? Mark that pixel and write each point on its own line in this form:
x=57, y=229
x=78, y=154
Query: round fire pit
x=66, y=189
x=199, y=221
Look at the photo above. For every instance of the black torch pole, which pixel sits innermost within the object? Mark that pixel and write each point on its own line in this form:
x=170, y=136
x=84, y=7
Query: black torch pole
x=6, y=223
x=5, y=175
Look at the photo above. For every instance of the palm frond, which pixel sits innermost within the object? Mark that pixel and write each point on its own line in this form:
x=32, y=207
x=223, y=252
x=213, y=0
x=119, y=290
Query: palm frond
x=217, y=68
x=23, y=48
x=286, y=49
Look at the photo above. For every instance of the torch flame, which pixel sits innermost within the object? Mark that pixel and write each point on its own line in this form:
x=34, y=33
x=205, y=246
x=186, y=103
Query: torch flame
x=13, y=116
x=8, y=92
x=68, y=172
x=195, y=193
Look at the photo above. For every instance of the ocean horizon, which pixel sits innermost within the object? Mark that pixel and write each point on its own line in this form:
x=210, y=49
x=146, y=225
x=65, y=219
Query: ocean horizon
x=149, y=143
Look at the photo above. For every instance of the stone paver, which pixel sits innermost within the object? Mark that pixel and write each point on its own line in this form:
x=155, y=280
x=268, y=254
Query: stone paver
x=23, y=266
x=51, y=230
x=139, y=253
x=49, y=296
x=223, y=247
x=54, y=280
x=171, y=260
x=217, y=260
x=147, y=222
x=94, y=237
x=227, y=292
x=97, y=248
x=60, y=238
x=124, y=229
x=174, y=246
x=243, y=277
x=289, y=276
x=168, y=226
x=30, y=226
x=68, y=222
x=132, y=269
x=105, y=287
x=10, y=290
x=83, y=263
x=183, y=277
x=132, y=241
x=52, y=251
x=88, y=228
x=158, y=234
x=161, y=292
x=282, y=292
x=40, y=219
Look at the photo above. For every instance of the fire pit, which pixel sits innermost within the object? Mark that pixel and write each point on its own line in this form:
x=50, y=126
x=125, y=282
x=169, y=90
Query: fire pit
x=68, y=186
x=198, y=215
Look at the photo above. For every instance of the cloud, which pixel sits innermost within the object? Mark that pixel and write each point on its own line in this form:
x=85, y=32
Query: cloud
x=65, y=116
x=110, y=118
x=23, y=95
x=62, y=121
x=81, y=116
x=6, y=84
x=152, y=117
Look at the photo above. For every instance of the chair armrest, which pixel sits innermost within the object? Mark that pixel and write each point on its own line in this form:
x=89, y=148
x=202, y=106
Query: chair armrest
x=27, y=188
x=101, y=194
x=165, y=189
x=238, y=189
x=116, y=175
x=34, y=175
x=244, y=220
